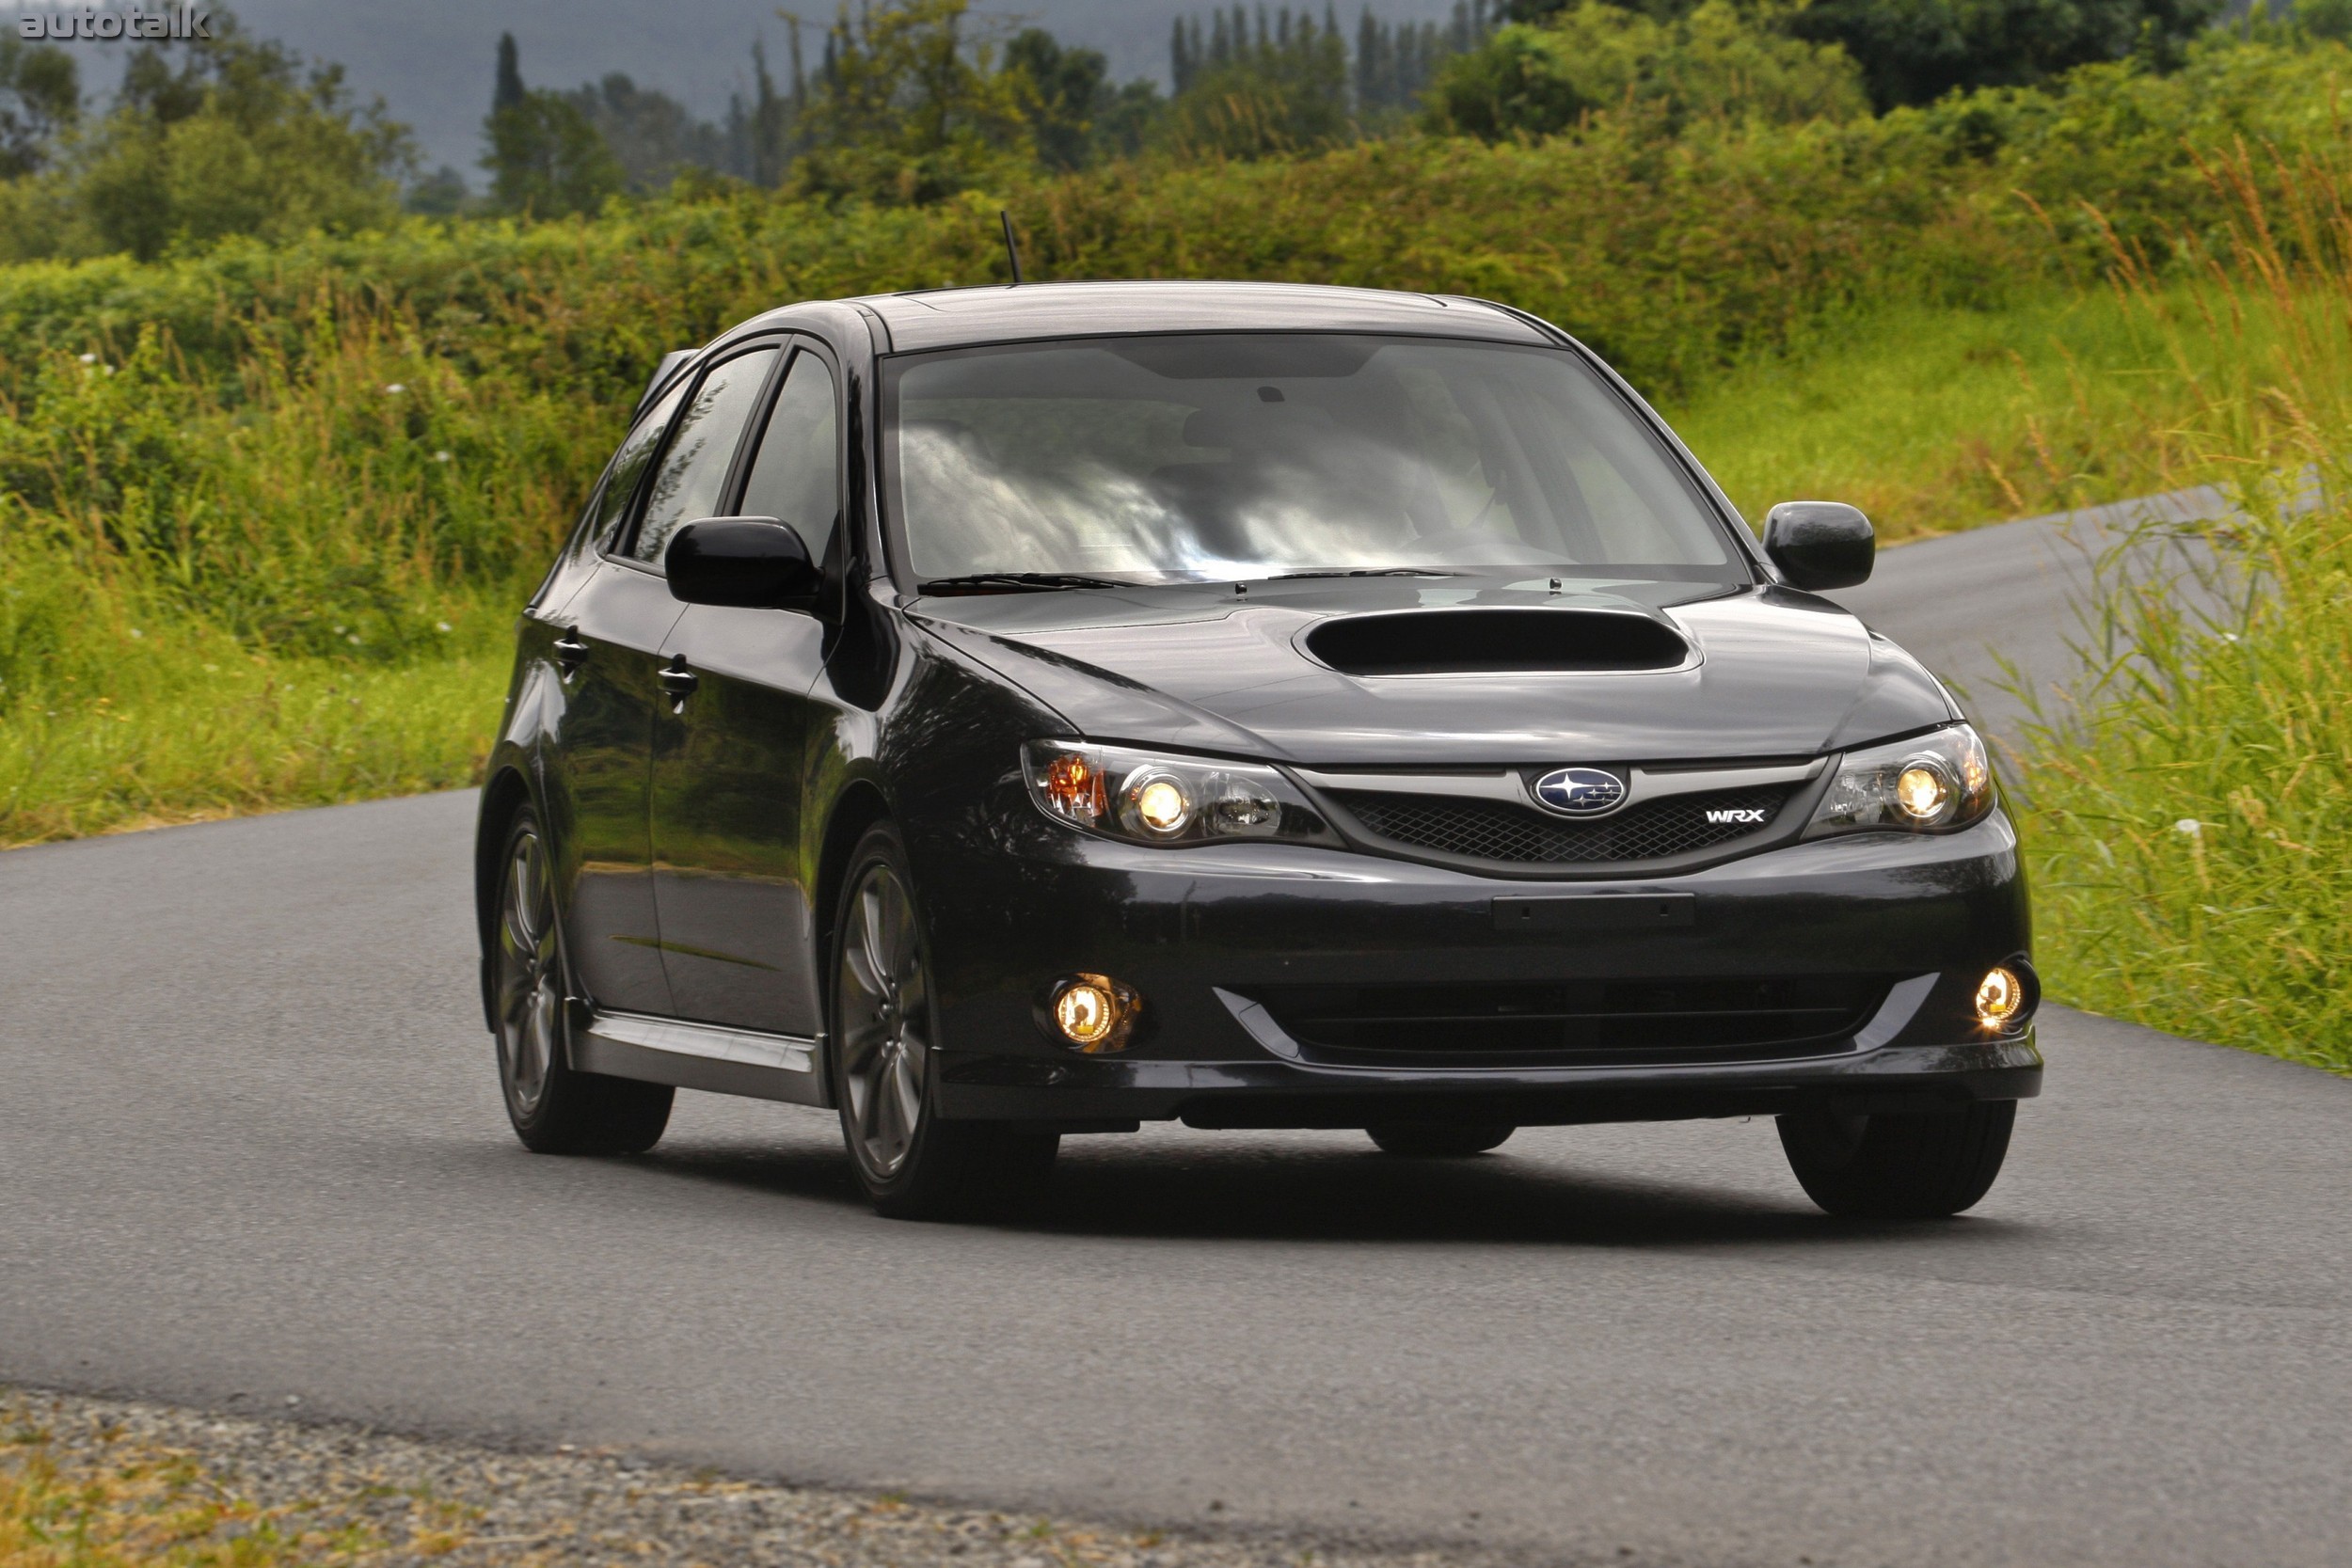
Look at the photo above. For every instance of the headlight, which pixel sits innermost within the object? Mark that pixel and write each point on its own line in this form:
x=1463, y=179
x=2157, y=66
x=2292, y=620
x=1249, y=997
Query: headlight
x=1157, y=800
x=1929, y=784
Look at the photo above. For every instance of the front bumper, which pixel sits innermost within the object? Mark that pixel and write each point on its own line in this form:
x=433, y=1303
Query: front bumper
x=1206, y=936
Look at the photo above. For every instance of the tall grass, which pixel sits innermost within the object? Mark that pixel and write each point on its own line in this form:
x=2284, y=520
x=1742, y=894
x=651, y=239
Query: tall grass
x=288, y=591
x=2191, y=821
x=1931, y=419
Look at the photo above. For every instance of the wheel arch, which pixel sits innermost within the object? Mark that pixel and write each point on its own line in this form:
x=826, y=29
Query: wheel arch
x=860, y=806
x=505, y=793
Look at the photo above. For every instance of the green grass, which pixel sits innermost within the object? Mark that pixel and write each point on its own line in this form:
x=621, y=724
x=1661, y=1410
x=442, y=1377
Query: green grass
x=2189, y=822
x=1937, y=420
x=2191, y=830
x=233, y=734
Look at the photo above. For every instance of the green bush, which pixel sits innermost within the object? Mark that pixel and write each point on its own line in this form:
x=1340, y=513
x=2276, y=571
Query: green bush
x=1602, y=59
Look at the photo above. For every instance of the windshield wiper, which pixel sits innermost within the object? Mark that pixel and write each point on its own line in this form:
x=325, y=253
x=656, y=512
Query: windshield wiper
x=1040, y=581
x=1366, y=571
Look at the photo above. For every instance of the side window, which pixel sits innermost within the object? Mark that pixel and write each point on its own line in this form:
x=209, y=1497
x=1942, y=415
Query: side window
x=796, y=477
x=694, y=465
x=629, y=466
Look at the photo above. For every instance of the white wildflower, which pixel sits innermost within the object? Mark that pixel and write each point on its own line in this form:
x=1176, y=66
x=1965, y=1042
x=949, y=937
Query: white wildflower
x=2188, y=825
x=441, y=457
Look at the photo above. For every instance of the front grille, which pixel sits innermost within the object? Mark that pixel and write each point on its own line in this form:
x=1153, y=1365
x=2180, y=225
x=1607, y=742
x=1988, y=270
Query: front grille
x=1493, y=831
x=1591, y=1023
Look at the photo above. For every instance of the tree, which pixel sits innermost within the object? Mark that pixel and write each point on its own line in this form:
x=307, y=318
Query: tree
x=545, y=158
x=1916, y=51
x=210, y=138
x=508, y=93
x=763, y=137
x=1600, y=58
x=441, y=194
x=40, y=97
x=904, y=112
x=651, y=136
x=1396, y=63
x=1280, y=85
x=1075, y=115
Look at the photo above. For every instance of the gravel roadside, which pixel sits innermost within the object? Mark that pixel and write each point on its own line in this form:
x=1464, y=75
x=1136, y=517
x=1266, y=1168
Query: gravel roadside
x=149, y=1483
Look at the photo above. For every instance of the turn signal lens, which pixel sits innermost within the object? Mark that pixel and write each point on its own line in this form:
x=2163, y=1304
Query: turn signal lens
x=1094, y=1012
x=2000, y=997
x=1076, y=788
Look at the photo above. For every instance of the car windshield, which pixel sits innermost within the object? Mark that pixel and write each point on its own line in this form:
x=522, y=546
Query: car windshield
x=1242, y=456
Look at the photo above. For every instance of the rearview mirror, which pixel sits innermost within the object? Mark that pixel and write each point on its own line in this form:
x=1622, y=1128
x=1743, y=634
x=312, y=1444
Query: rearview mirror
x=1819, y=545
x=751, y=563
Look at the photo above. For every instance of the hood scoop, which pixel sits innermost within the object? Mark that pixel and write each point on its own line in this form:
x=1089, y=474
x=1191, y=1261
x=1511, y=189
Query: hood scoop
x=1495, y=641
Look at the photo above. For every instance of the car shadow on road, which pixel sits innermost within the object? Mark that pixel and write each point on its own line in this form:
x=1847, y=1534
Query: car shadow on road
x=1307, y=1194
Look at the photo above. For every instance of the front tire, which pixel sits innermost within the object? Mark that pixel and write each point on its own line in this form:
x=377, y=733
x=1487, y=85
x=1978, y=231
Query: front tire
x=1917, y=1165
x=912, y=1163
x=554, y=1109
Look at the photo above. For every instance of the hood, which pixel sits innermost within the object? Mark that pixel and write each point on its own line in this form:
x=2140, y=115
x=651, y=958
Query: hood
x=1768, y=673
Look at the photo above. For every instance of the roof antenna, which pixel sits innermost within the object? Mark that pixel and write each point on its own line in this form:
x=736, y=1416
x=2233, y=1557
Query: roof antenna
x=1012, y=252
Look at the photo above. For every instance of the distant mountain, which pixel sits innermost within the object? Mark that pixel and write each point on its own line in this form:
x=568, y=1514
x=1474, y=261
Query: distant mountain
x=431, y=59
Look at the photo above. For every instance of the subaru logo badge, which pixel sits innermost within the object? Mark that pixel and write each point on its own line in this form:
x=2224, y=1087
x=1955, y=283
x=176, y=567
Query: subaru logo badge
x=1579, y=791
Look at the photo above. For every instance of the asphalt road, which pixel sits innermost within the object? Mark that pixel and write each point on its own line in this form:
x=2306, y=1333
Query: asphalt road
x=251, y=1151
x=1997, y=611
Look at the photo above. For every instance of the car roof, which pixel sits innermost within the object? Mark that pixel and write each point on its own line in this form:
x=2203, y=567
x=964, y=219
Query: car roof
x=953, y=318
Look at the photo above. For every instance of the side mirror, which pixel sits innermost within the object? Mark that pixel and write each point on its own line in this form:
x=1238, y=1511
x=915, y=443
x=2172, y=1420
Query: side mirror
x=1819, y=544
x=752, y=562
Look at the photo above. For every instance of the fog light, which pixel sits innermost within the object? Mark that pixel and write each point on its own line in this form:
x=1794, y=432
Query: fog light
x=1094, y=1012
x=2000, y=997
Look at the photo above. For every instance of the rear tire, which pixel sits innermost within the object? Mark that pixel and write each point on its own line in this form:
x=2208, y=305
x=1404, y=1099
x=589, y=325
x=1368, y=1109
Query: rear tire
x=554, y=1109
x=1917, y=1165
x=883, y=1060
x=1438, y=1140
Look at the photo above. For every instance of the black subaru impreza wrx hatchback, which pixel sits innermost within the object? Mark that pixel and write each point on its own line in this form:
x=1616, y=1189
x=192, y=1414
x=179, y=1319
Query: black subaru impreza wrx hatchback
x=1003, y=713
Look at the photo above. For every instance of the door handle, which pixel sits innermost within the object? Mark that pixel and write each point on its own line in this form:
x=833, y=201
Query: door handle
x=679, y=681
x=569, y=650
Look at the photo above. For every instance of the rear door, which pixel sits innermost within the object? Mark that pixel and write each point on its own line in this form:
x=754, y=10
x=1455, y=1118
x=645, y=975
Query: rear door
x=733, y=889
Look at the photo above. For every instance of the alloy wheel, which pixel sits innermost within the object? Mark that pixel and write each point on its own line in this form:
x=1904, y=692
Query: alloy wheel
x=885, y=1016
x=529, y=976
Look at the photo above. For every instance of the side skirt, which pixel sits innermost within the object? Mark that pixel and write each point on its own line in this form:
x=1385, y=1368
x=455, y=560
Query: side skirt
x=701, y=1057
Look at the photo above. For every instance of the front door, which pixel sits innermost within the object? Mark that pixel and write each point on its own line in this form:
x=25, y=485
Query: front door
x=733, y=873
x=609, y=643
x=612, y=635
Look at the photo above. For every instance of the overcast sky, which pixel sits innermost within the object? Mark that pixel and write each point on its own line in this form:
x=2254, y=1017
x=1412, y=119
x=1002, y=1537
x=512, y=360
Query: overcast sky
x=432, y=60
